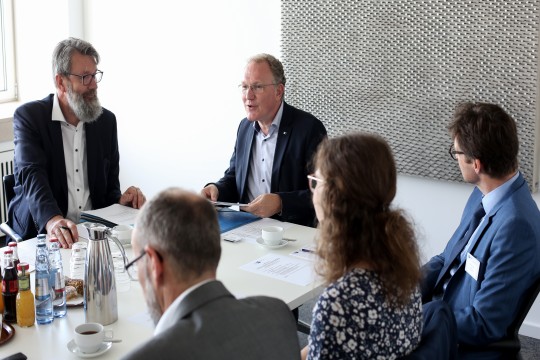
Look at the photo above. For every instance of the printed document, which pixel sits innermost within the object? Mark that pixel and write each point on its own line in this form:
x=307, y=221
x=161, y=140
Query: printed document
x=286, y=268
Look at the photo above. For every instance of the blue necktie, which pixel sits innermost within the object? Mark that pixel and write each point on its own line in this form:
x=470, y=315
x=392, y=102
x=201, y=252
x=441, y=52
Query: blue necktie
x=454, y=258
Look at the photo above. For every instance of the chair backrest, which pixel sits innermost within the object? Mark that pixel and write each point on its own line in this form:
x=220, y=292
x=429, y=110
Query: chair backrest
x=528, y=300
x=8, y=182
x=509, y=347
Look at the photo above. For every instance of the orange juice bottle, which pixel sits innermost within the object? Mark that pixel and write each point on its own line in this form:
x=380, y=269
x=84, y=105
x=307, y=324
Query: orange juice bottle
x=26, y=315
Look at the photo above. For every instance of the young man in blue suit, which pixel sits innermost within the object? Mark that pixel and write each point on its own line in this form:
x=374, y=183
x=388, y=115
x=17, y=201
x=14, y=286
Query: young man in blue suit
x=274, y=146
x=489, y=262
x=66, y=151
x=177, y=237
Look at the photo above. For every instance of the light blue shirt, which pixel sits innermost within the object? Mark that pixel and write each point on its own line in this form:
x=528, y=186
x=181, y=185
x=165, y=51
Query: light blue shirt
x=489, y=201
x=262, y=158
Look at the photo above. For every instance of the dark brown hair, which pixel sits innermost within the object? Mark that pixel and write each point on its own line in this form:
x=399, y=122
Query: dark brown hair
x=359, y=184
x=487, y=133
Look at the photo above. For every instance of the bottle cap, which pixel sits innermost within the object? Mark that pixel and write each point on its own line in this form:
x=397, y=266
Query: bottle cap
x=8, y=251
x=53, y=239
x=12, y=243
x=23, y=265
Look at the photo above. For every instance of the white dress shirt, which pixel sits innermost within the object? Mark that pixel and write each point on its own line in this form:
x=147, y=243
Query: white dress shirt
x=74, y=143
x=169, y=317
x=262, y=158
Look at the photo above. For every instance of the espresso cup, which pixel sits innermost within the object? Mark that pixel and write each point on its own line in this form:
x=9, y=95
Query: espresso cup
x=122, y=233
x=90, y=336
x=272, y=235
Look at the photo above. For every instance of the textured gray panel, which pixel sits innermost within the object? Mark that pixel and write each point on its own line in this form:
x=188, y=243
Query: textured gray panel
x=399, y=68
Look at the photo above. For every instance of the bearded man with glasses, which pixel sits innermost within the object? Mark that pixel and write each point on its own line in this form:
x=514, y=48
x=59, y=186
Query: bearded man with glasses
x=66, y=151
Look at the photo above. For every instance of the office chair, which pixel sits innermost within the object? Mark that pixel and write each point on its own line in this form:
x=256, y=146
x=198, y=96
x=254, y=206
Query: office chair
x=439, y=335
x=510, y=346
x=8, y=182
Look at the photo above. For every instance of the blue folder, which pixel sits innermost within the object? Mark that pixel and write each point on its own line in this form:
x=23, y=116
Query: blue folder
x=231, y=219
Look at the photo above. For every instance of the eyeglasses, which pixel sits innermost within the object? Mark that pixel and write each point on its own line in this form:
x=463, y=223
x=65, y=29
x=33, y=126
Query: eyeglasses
x=313, y=182
x=453, y=152
x=256, y=88
x=131, y=267
x=87, y=79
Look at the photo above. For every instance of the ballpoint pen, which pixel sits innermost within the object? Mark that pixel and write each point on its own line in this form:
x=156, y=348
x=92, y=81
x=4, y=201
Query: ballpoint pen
x=65, y=228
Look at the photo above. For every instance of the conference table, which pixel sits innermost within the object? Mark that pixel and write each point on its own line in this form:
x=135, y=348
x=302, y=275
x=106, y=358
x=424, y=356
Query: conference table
x=134, y=326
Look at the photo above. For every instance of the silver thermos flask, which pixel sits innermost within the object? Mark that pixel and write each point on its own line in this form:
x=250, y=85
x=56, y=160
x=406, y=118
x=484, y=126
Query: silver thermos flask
x=100, y=302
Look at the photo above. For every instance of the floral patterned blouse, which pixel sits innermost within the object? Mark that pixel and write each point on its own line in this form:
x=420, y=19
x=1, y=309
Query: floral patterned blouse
x=352, y=320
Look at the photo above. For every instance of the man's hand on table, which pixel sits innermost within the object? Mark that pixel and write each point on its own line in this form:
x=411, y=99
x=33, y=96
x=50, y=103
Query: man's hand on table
x=133, y=197
x=264, y=205
x=210, y=192
x=64, y=230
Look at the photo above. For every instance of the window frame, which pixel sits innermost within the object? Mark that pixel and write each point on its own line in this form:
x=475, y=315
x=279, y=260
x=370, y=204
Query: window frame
x=8, y=90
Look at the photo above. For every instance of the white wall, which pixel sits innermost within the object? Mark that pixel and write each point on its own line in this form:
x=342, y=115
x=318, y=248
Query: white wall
x=170, y=75
x=39, y=26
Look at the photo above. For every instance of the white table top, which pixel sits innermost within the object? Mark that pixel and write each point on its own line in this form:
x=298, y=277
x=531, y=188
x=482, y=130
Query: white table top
x=134, y=325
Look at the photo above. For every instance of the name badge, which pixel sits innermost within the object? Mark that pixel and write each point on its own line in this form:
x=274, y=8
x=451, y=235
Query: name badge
x=472, y=266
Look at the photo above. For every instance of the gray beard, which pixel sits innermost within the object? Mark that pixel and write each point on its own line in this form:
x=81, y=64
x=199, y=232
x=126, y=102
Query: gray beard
x=151, y=301
x=85, y=111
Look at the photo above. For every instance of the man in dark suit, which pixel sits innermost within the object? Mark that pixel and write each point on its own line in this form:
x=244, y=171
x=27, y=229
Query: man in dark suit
x=274, y=147
x=66, y=151
x=178, y=238
x=493, y=257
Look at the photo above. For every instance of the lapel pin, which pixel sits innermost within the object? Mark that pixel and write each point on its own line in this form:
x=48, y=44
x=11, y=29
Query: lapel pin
x=284, y=133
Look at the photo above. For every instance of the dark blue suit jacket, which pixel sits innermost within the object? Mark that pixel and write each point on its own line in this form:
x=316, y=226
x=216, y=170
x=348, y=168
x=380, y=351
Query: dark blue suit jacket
x=508, y=249
x=40, y=170
x=299, y=135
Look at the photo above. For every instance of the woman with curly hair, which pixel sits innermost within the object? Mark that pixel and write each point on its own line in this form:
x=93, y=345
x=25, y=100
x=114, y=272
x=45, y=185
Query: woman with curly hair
x=371, y=308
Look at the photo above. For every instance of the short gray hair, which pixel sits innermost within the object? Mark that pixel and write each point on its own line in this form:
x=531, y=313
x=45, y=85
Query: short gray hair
x=276, y=67
x=61, y=59
x=183, y=227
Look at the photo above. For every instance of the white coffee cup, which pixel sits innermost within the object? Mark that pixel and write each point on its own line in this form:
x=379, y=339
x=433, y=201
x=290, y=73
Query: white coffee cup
x=122, y=233
x=272, y=235
x=90, y=336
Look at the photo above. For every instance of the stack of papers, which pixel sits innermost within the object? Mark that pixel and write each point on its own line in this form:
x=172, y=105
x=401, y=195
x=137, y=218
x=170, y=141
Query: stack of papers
x=111, y=216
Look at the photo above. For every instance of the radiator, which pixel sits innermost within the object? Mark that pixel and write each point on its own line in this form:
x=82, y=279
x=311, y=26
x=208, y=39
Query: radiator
x=6, y=168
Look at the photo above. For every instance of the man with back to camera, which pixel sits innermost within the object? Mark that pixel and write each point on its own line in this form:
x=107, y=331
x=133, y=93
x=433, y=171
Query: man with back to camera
x=66, y=151
x=492, y=258
x=274, y=146
x=178, y=241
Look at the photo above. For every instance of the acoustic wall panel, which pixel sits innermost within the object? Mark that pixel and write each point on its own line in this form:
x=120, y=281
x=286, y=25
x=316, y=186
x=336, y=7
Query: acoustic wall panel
x=399, y=68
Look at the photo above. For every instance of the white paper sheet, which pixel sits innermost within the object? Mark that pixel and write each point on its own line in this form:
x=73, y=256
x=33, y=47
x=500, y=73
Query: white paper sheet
x=116, y=213
x=252, y=231
x=286, y=268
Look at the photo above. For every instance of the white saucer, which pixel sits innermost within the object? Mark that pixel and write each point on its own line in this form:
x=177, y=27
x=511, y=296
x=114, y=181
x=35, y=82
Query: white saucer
x=282, y=243
x=72, y=347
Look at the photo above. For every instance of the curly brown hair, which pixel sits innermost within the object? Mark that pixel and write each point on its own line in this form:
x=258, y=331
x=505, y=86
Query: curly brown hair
x=359, y=175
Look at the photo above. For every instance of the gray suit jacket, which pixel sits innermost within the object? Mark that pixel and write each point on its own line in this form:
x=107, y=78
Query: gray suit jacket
x=212, y=324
